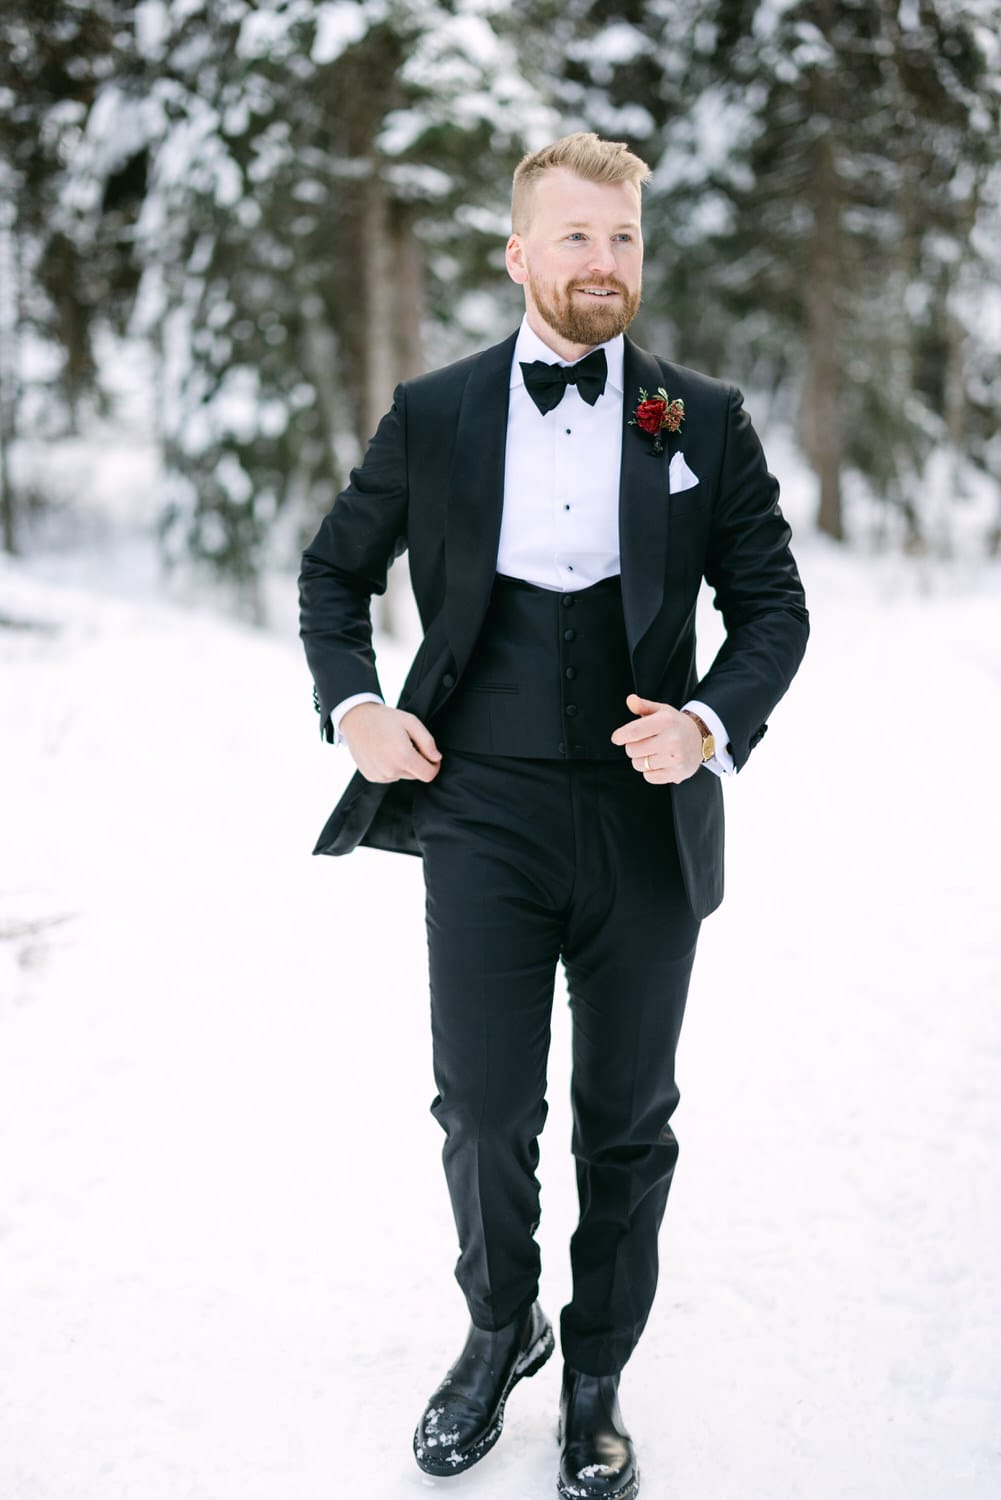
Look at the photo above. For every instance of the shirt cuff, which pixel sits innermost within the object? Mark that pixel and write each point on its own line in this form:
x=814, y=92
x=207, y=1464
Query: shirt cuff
x=721, y=764
x=337, y=714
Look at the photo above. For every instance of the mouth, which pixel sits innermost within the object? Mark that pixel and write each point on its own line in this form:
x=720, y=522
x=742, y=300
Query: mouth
x=597, y=291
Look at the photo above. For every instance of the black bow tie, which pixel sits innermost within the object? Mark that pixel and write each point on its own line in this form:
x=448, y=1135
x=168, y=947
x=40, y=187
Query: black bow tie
x=547, y=383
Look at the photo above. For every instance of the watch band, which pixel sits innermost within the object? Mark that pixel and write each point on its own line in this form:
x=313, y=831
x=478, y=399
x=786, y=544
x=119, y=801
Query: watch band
x=708, y=738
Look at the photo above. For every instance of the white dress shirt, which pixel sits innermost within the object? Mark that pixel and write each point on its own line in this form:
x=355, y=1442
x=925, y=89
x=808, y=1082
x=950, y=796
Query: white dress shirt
x=560, y=518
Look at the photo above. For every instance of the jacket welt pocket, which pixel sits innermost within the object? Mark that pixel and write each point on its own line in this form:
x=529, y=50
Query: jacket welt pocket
x=492, y=687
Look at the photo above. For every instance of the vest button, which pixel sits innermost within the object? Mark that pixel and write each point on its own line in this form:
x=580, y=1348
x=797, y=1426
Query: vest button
x=571, y=710
x=448, y=680
x=569, y=635
x=562, y=748
x=571, y=673
x=567, y=600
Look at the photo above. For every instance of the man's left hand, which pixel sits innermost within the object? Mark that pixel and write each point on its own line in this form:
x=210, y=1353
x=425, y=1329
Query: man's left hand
x=663, y=744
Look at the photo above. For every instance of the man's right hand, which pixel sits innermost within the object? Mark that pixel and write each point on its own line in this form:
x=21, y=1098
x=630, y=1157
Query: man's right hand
x=387, y=744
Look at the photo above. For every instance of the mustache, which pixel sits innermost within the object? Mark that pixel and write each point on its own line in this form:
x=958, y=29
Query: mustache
x=606, y=283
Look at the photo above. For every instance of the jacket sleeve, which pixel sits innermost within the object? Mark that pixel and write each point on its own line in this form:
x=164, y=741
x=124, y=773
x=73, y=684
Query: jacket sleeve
x=347, y=562
x=757, y=589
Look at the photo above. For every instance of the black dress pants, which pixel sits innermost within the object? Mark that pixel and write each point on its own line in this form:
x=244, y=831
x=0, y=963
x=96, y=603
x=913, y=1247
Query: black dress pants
x=527, y=862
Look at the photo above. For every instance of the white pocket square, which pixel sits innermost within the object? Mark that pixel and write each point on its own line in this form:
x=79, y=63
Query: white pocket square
x=680, y=476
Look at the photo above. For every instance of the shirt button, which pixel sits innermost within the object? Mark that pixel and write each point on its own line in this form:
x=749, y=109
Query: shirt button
x=567, y=601
x=566, y=507
x=570, y=673
x=569, y=567
x=569, y=635
x=569, y=430
x=571, y=710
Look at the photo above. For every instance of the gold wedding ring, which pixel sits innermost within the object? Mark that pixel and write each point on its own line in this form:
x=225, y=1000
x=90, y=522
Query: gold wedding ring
x=646, y=762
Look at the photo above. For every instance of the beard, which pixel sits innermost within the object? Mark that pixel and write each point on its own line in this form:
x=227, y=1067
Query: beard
x=589, y=321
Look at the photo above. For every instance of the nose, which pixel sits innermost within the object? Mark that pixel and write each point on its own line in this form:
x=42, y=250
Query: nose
x=602, y=259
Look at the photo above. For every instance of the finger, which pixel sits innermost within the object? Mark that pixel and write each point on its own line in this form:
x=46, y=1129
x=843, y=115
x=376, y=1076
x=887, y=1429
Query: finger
x=419, y=770
x=636, y=735
x=638, y=705
x=640, y=749
x=636, y=729
x=416, y=768
x=422, y=738
x=666, y=776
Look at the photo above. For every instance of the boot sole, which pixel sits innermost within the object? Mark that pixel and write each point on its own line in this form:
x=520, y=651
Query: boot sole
x=527, y=1365
x=628, y=1492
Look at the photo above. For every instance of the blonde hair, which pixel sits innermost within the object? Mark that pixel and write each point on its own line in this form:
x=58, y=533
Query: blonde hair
x=586, y=155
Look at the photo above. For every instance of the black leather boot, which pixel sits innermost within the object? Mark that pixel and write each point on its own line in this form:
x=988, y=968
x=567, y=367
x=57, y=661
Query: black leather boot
x=597, y=1457
x=464, y=1417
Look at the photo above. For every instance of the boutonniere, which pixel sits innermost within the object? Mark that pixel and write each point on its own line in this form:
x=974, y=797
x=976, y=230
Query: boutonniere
x=657, y=415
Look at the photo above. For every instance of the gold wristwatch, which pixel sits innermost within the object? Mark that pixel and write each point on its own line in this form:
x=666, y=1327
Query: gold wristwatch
x=708, y=738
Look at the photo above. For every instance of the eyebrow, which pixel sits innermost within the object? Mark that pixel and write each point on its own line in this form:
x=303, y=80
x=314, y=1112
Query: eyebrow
x=584, y=224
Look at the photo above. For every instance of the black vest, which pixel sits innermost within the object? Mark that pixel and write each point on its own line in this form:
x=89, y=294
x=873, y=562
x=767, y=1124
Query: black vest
x=548, y=676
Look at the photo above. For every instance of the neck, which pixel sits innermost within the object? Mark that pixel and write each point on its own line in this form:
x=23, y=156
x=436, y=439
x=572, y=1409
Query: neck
x=553, y=340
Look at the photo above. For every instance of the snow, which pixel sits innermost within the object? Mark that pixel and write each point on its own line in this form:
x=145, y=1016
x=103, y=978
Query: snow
x=226, y=1242
x=338, y=26
x=118, y=126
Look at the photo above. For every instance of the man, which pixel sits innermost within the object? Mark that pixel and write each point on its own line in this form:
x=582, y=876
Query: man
x=555, y=761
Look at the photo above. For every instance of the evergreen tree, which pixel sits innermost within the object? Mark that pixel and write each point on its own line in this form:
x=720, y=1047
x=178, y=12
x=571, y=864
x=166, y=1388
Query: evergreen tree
x=315, y=195
x=54, y=57
x=299, y=202
x=870, y=130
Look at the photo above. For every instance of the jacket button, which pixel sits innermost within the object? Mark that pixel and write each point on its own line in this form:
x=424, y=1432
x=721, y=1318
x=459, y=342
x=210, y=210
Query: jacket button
x=571, y=710
x=448, y=680
x=567, y=601
x=570, y=673
x=569, y=635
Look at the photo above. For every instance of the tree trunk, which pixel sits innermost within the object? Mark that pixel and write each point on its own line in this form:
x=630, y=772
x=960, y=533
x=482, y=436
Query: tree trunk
x=392, y=280
x=820, y=423
x=8, y=504
x=408, y=258
x=388, y=273
x=379, y=298
x=9, y=312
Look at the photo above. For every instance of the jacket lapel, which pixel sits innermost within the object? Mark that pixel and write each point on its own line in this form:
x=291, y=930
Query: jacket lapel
x=644, y=509
x=476, y=497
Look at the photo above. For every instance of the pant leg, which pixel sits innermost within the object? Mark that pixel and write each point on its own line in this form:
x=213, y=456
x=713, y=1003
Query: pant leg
x=629, y=951
x=490, y=832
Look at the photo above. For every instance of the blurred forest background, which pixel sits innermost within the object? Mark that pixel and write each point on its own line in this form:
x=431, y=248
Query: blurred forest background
x=265, y=214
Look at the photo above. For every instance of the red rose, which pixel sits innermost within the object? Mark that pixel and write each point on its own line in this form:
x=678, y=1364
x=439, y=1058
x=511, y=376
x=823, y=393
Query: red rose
x=658, y=414
x=651, y=415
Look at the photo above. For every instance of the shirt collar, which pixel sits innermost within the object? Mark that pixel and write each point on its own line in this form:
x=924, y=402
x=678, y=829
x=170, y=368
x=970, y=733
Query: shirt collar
x=529, y=347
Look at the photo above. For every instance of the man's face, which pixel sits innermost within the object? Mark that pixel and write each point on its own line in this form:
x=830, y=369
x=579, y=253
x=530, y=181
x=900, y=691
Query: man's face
x=580, y=260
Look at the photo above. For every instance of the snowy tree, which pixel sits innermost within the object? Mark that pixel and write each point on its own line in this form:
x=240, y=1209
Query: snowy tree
x=54, y=59
x=819, y=167
x=299, y=202
x=314, y=201
x=849, y=198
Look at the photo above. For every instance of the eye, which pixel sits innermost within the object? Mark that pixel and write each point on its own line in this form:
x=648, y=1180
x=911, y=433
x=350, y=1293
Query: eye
x=625, y=236
x=575, y=234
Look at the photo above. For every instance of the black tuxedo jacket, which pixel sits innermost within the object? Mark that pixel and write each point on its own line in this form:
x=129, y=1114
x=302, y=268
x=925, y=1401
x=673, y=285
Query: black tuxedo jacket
x=432, y=481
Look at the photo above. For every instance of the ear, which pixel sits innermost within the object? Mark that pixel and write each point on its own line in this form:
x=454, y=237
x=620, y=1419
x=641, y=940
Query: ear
x=514, y=259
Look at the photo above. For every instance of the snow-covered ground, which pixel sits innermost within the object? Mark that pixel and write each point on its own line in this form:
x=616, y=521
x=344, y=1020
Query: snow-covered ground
x=225, y=1243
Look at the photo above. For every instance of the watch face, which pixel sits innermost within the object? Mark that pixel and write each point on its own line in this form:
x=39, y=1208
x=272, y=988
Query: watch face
x=709, y=747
